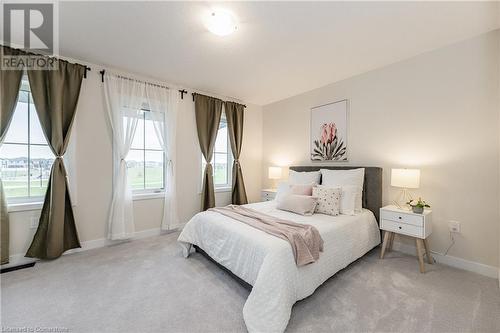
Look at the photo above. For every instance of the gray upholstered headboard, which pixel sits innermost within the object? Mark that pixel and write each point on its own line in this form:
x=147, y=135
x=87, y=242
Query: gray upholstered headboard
x=372, y=188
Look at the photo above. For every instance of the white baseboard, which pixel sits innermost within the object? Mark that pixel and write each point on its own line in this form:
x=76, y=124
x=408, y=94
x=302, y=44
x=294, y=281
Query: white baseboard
x=97, y=243
x=19, y=258
x=486, y=270
x=471, y=266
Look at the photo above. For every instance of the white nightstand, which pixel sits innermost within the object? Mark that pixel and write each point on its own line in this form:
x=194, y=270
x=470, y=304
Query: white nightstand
x=404, y=222
x=268, y=194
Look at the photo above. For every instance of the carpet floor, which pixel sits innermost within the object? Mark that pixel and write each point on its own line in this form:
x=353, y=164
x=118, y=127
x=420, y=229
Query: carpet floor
x=147, y=286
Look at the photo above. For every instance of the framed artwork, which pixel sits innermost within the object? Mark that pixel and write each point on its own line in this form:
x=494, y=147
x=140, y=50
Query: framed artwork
x=329, y=132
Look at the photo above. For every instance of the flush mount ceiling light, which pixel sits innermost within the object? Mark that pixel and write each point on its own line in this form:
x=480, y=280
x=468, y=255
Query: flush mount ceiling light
x=221, y=22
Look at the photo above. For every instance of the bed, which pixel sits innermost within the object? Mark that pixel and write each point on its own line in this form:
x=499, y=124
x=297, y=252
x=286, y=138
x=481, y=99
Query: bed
x=267, y=263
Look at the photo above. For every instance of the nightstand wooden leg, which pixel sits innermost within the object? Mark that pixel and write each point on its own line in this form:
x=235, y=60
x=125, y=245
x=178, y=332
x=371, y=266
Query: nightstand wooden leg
x=419, y=242
x=387, y=234
x=430, y=260
x=391, y=241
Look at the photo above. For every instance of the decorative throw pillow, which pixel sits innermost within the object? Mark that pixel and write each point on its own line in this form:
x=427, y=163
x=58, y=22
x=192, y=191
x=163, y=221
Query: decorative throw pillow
x=285, y=188
x=306, y=177
x=328, y=199
x=338, y=178
x=302, y=189
x=299, y=204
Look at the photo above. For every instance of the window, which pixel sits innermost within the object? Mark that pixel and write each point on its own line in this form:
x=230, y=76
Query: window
x=222, y=158
x=146, y=158
x=25, y=157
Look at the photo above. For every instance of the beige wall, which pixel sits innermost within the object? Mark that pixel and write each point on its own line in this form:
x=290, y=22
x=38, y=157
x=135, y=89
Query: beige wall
x=437, y=112
x=94, y=169
x=498, y=40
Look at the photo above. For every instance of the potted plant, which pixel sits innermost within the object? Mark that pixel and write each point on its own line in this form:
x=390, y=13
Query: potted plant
x=418, y=206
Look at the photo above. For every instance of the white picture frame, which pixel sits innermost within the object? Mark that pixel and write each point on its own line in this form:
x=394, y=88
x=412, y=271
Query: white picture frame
x=329, y=132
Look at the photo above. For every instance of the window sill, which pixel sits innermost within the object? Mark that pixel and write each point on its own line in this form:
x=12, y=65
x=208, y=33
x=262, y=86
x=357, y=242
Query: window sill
x=223, y=189
x=219, y=190
x=148, y=196
x=25, y=206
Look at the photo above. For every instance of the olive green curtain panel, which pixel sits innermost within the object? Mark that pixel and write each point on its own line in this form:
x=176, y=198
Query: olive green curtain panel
x=234, y=117
x=10, y=81
x=4, y=232
x=55, y=94
x=208, y=111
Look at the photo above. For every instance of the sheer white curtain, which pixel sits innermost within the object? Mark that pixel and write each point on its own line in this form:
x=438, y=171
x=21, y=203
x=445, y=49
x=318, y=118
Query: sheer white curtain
x=163, y=103
x=124, y=98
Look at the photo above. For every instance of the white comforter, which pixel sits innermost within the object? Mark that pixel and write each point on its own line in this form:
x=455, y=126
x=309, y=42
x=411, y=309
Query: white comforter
x=267, y=263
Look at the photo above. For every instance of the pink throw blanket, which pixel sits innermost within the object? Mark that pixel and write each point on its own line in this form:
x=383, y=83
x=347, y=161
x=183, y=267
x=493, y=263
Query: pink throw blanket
x=305, y=239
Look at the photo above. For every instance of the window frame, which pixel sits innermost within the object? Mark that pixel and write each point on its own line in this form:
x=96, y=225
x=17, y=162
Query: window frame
x=28, y=200
x=147, y=193
x=229, y=158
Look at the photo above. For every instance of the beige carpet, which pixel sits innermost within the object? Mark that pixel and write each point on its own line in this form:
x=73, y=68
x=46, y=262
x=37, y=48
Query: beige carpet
x=146, y=286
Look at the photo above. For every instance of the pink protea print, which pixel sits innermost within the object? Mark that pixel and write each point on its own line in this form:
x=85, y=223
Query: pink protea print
x=329, y=146
x=333, y=132
x=324, y=134
x=328, y=132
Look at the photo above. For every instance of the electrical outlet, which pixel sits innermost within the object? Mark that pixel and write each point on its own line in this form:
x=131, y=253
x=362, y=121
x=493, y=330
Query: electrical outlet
x=34, y=222
x=454, y=226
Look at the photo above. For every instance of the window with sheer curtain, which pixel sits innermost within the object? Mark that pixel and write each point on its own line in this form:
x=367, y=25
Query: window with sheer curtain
x=146, y=158
x=25, y=157
x=222, y=158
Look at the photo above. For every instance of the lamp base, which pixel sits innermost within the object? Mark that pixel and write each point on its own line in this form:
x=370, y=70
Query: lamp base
x=405, y=195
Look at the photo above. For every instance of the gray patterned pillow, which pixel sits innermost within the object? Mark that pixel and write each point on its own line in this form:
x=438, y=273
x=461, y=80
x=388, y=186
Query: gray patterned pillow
x=328, y=199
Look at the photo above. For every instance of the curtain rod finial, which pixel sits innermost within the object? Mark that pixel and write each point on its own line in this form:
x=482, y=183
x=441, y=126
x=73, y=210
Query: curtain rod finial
x=87, y=69
x=183, y=91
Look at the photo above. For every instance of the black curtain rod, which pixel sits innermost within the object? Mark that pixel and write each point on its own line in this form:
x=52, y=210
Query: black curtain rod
x=183, y=91
x=194, y=94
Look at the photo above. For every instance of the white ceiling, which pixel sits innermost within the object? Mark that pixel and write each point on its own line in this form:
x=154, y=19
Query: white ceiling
x=280, y=48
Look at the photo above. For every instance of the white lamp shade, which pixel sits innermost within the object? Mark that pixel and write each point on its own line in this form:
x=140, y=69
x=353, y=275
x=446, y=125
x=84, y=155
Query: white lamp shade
x=405, y=178
x=274, y=173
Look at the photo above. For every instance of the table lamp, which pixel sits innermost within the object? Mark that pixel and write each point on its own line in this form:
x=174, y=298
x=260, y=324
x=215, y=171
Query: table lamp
x=274, y=173
x=405, y=179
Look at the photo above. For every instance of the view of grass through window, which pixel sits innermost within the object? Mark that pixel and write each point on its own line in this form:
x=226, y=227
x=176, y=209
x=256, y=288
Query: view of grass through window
x=146, y=157
x=25, y=157
x=221, y=157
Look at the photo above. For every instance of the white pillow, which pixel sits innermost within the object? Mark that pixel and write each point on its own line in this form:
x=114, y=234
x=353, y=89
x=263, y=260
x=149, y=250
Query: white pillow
x=299, y=204
x=328, y=199
x=348, y=200
x=353, y=177
x=306, y=177
x=282, y=190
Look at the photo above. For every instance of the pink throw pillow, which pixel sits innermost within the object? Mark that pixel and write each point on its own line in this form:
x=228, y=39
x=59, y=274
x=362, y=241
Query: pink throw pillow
x=302, y=189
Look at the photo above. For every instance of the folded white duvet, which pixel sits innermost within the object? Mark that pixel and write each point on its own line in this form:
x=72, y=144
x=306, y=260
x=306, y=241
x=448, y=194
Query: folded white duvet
x=267, y=262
